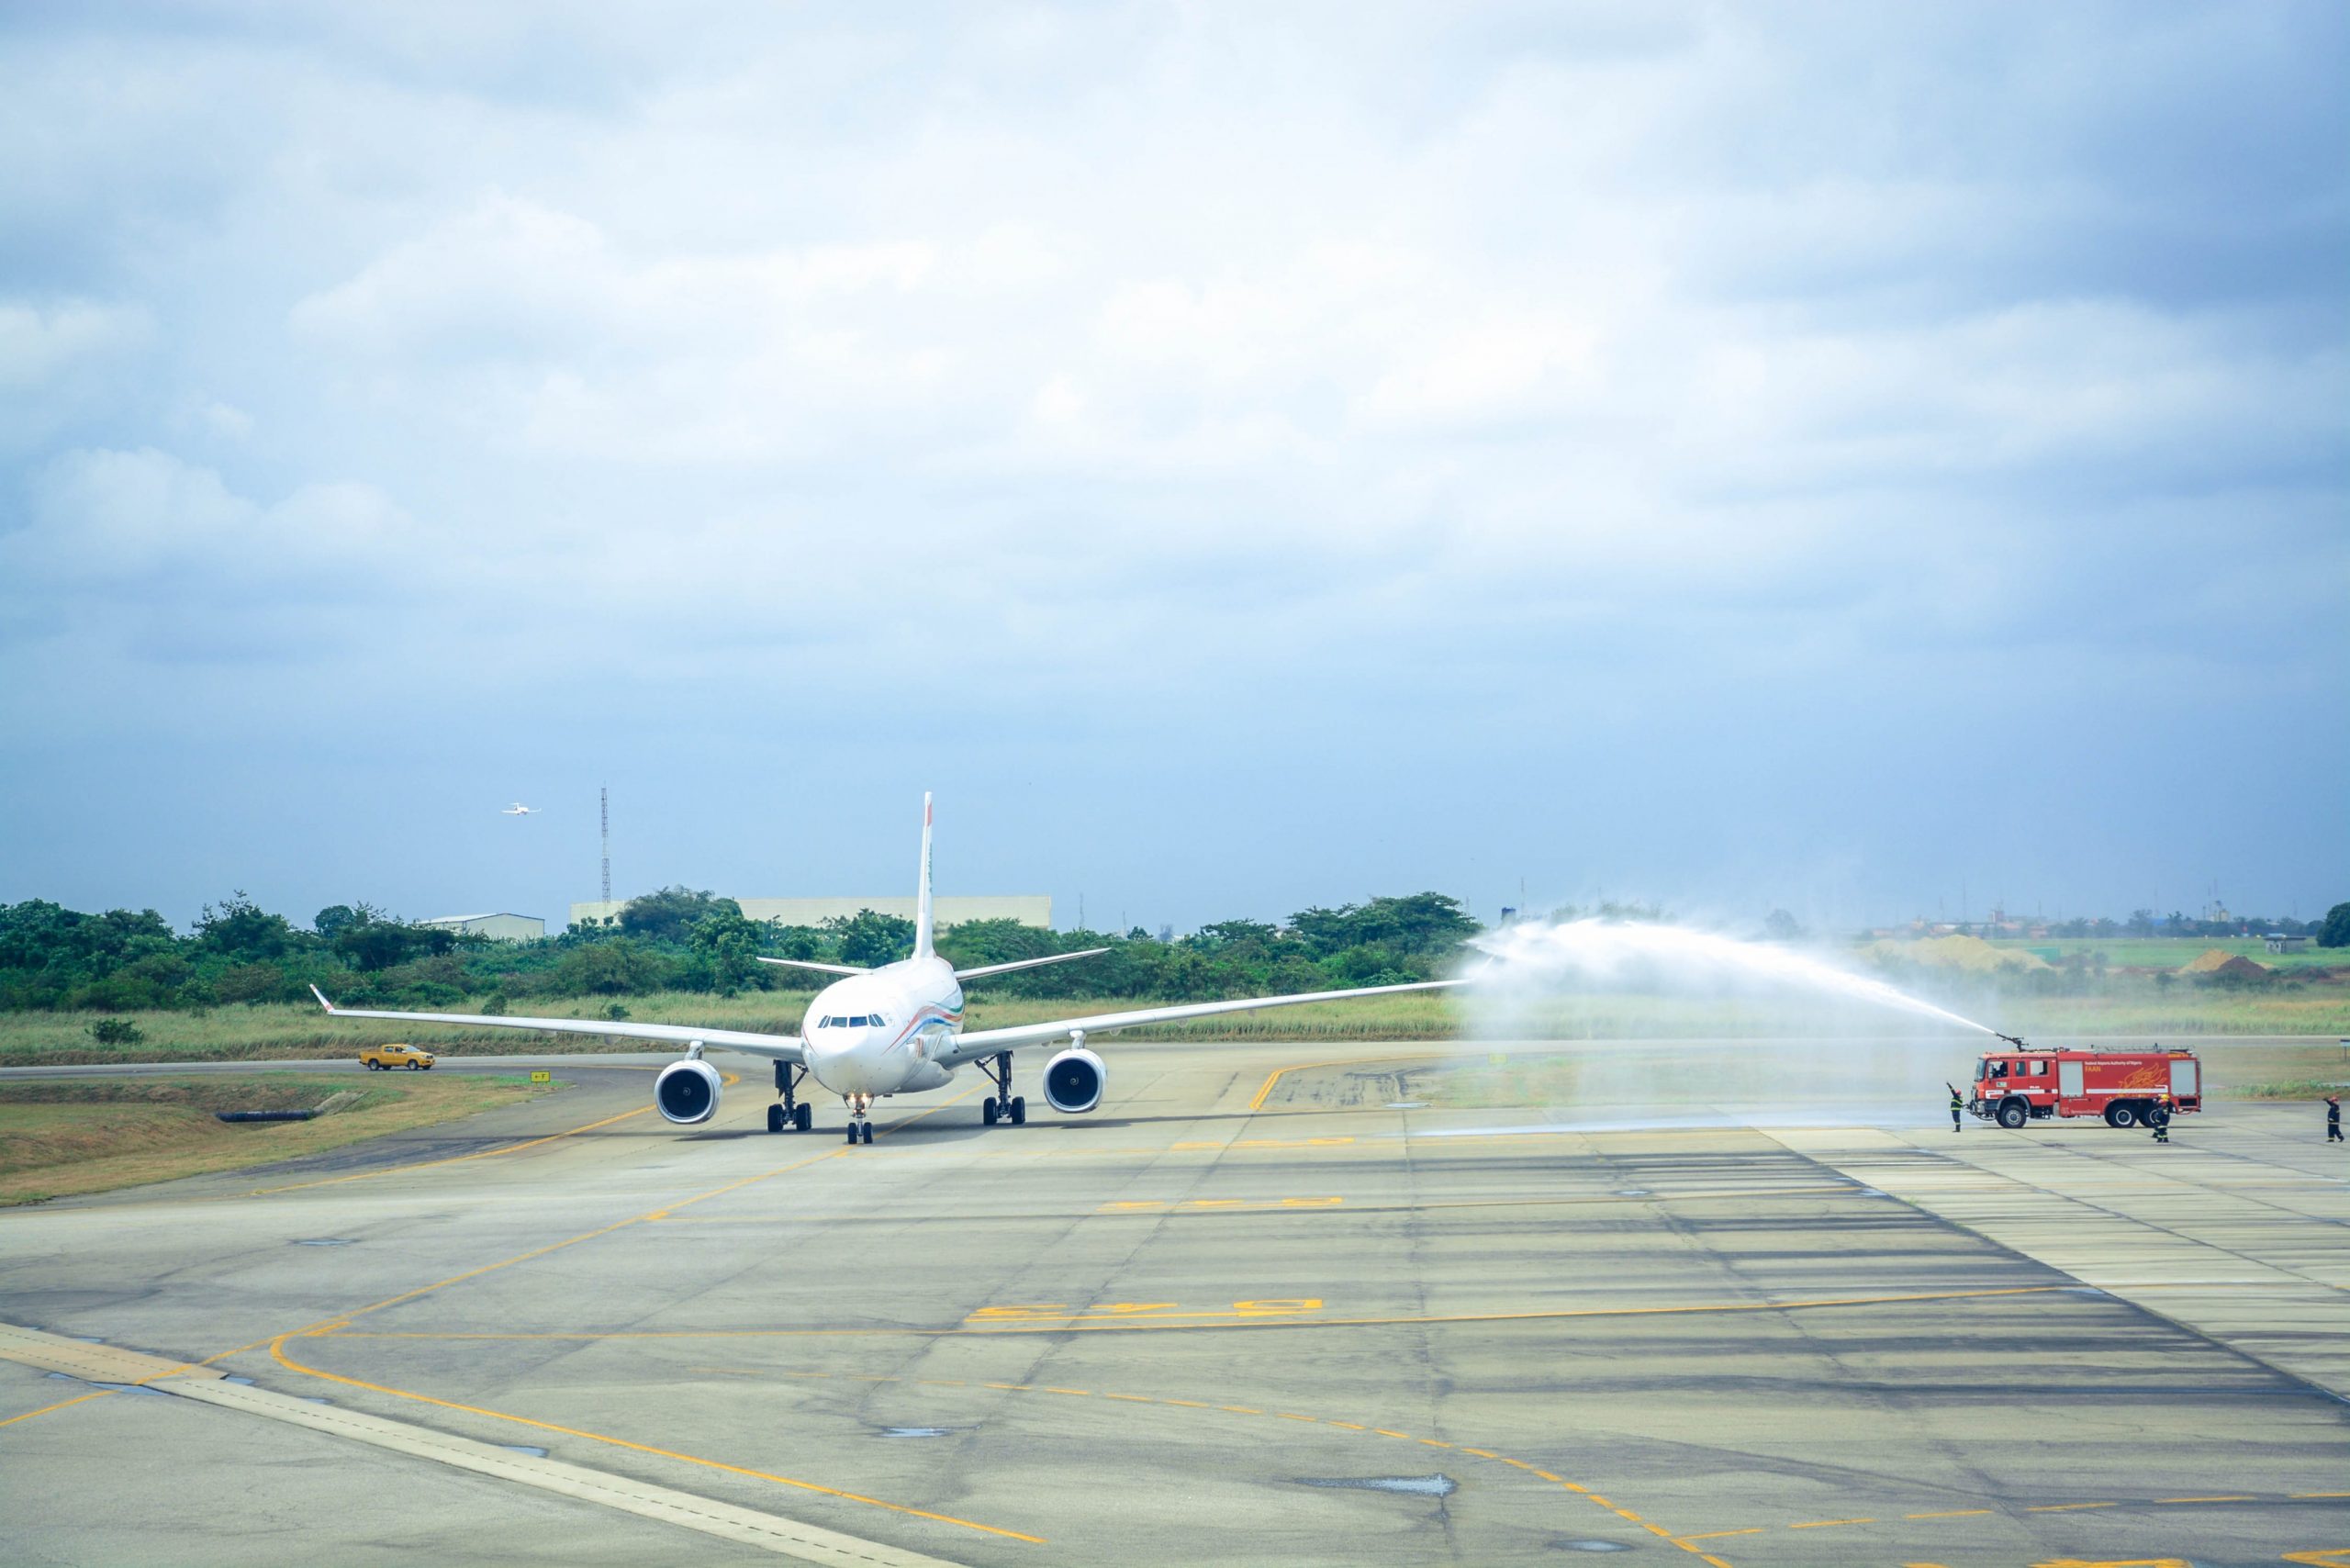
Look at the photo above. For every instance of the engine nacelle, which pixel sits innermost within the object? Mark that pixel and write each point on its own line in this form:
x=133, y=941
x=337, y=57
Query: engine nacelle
x=686, y=1092
x=1073, y=1081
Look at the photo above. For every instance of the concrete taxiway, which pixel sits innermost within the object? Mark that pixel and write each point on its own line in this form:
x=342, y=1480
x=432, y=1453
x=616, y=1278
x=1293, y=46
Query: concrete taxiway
x=1264, y=1308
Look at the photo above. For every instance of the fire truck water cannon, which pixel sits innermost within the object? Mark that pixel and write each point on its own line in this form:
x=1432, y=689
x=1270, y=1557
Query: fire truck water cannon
x=2012, y=1040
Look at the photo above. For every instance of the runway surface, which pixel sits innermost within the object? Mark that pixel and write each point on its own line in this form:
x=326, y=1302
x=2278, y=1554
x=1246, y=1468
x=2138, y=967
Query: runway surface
x=1264, y=1308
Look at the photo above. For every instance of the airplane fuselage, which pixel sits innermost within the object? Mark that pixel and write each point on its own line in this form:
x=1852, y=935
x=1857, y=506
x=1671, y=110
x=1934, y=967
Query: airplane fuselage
x=883, y=1033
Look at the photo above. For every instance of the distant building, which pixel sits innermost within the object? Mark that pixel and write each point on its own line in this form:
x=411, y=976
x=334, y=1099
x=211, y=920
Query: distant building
x=2280, y=943
x=504, y=927
x=1028, y=909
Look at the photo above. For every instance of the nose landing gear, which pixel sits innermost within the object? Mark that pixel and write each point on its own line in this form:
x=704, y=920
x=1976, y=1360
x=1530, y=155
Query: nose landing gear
x=1003, y=1105
x=860, y=1120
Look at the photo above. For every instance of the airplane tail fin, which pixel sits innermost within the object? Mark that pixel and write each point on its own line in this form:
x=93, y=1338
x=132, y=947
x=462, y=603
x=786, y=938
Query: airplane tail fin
x=922, y=949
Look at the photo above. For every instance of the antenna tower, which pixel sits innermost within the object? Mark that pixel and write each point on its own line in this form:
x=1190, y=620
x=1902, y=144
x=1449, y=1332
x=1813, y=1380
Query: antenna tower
x=604, y=810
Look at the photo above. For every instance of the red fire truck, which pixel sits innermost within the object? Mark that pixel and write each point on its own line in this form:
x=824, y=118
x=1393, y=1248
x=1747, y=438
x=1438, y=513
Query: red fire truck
x=2023, y=1083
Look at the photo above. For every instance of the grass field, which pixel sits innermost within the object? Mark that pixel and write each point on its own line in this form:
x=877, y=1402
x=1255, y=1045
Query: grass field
x=64, y=1137
x=284, y=1033
x=2170, y=952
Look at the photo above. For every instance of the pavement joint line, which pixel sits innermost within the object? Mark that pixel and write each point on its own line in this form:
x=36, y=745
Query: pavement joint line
x=1555, y=1479
x=277, y=1352
x=445, y=1160
x=1225, y=1322
x=326, y=1327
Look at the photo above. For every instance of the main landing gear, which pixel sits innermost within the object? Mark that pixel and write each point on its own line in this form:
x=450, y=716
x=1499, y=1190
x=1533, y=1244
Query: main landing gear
x=789, y=1116
x=860, y=1121
x=1003, y=1105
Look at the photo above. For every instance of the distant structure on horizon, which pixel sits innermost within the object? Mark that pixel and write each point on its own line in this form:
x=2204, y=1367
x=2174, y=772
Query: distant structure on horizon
x=504, y=927
x=1028, y=909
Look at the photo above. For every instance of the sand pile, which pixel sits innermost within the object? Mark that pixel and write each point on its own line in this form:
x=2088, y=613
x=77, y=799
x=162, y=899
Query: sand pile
x=2216, y=964
x=1970, y=953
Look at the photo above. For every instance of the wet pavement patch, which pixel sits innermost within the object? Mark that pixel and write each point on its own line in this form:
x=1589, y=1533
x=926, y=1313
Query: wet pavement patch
x=524, y=1447
x=1408, y=1485
x=1590, y=1546
x=324, y=1241
x=1407, y=1104
x=916, y=1431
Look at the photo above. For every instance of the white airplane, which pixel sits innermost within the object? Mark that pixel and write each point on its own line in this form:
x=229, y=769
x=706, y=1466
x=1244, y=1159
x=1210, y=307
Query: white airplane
x=518, y=810
x=894, y=1030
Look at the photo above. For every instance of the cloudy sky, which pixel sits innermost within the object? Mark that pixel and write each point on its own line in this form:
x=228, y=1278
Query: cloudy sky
x=1850, y=458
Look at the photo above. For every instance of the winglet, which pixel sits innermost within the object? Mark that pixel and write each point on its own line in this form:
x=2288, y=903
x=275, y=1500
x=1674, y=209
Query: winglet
x=322, y=997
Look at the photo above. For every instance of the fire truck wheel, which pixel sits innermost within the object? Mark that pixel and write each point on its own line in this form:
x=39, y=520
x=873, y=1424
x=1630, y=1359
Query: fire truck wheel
x=2121, y=1114
x=2012, y=1114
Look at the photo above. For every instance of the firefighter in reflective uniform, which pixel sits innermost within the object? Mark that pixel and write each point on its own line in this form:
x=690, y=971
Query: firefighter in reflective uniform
x=2159, y=1117
x=2333, y=1118
x=1957, y=1106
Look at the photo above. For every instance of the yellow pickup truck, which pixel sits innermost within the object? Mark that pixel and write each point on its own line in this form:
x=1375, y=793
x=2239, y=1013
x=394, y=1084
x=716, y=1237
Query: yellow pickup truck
x=382, y=1058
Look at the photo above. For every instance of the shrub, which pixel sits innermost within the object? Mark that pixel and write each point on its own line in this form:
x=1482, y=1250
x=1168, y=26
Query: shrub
x=117, y=1032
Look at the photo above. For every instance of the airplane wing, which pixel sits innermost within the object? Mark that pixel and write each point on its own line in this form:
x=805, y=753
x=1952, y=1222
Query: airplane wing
x=774, y=1047
x=980, y=1043
x=812, y=964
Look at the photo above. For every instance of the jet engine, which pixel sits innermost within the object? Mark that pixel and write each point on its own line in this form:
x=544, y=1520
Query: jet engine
x=1073, y=1081
x=686, y=1092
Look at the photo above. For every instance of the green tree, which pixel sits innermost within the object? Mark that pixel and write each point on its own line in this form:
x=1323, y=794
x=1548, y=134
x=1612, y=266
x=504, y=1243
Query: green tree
x=671, y=915
x=869, y=939
x=242, y=930
x=619, y=967
x=729, y=946
x=2335, y=931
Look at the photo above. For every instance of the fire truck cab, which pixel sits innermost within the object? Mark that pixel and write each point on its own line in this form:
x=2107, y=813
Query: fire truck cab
x=2022, y=1084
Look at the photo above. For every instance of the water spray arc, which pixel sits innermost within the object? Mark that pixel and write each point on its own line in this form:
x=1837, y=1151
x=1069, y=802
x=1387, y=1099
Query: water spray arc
x=1534, y=955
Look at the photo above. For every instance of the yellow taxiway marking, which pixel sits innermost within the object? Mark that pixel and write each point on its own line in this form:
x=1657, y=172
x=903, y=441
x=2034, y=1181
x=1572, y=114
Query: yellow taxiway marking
x=1830, y=1524
x=1127, y=1311
x=1717, y=1534
x=1949, y=1514
x=93, y=1394
x=1162, y=1205
x=277, y=1351
x=1258, y=1103
x=2232, y=1497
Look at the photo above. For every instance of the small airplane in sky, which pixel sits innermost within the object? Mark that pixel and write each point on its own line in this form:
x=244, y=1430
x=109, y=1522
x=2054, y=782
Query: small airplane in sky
x=518, y=810
x=893, y=1030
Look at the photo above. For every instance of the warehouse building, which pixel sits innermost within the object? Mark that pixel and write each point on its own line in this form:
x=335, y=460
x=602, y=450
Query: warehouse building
x=505, y=927
x=1028, y=909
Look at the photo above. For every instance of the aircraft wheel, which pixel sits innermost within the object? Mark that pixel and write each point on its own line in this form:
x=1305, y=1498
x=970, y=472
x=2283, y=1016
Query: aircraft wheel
x=852, y=1132
x=1019, y=1110
x=803, y=1118
x=869, y=1132
x=987, y=1112
x=774, y=1118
